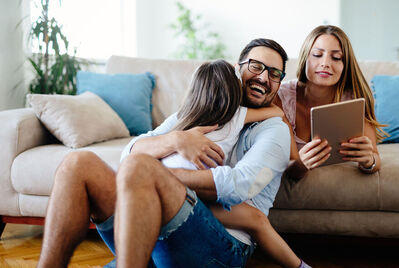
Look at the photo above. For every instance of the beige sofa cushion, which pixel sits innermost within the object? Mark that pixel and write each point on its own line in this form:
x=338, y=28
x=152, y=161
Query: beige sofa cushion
x=344, y=187
x=33, y=171
x=78, y=120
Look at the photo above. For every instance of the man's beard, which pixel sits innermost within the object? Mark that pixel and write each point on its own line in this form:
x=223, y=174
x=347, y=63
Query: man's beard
x=268, y=93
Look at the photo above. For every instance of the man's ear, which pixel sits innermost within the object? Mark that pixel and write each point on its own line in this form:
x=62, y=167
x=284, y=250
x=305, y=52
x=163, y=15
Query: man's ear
x=237, y=72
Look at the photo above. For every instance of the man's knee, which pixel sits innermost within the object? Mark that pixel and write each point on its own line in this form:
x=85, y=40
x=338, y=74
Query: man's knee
x=139, y=168
x=76, y=163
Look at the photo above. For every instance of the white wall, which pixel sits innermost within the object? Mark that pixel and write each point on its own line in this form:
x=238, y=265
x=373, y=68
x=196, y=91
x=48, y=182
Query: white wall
x=286, y=21
x=12, y=57
x=373, y=27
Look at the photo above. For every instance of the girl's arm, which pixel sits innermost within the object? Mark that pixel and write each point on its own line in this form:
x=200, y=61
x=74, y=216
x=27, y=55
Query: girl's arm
x=263, y=113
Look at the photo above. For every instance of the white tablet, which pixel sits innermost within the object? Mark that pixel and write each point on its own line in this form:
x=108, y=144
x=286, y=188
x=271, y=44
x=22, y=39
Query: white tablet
x=337, y=122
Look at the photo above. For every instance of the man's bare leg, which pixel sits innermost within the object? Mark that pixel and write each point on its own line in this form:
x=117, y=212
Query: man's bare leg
x=84, y=186
x=149, y=196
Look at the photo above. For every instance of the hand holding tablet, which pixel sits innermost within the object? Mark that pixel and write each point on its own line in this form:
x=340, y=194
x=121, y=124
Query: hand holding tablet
x=337, y=123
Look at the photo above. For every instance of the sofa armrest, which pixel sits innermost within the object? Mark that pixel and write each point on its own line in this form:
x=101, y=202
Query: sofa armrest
x=20, y=130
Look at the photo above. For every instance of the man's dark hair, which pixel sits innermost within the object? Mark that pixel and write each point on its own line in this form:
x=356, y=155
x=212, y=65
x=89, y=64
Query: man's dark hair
x=262, y=42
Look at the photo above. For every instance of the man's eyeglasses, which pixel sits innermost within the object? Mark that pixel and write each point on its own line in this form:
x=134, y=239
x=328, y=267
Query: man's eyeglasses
x=257, y=67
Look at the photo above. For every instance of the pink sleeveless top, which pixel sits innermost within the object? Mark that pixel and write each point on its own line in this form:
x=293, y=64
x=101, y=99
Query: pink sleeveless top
x=287, y=94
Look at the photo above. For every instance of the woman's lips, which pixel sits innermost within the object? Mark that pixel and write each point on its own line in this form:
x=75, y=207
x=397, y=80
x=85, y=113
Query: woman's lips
x=324, y=74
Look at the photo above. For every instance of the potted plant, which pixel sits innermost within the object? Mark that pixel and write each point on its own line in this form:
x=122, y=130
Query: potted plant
x=55, y=70
x=198, y=43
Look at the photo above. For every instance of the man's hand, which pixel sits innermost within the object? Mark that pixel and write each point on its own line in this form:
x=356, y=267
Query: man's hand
x=198, y=149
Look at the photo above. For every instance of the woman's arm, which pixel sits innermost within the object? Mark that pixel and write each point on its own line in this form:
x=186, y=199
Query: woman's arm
x=363, y=150
x=312, y=155
x=263, y=113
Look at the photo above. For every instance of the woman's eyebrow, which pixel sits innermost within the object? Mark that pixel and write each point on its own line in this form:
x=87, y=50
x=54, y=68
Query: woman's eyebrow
x=333, y=51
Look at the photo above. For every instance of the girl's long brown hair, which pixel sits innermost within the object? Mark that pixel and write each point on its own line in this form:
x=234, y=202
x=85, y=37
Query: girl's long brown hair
x=213, y=98
x=352, y=79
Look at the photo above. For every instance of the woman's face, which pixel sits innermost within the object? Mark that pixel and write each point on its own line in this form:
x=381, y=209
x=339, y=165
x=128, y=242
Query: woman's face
x=324, y=64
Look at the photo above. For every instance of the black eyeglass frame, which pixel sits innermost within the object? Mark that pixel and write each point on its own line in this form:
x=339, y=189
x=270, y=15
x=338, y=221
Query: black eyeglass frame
x=265, y=67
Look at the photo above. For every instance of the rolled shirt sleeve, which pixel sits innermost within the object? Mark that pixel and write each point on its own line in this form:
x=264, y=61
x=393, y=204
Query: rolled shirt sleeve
x=264, y=152
x=164, y=128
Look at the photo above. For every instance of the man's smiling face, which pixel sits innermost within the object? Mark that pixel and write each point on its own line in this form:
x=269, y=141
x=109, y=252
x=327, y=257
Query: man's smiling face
x=259, y=90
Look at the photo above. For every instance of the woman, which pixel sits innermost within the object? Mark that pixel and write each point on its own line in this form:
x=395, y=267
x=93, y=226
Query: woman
x=327, y=72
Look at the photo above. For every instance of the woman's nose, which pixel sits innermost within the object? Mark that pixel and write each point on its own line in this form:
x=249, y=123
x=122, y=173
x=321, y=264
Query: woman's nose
x=325, y=62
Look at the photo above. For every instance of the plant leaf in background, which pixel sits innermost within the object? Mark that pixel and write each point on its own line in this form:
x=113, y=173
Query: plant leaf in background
x=55, y=69
x=197, y=42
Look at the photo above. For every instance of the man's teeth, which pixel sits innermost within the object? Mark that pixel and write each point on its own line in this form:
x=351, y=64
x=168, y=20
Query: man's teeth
x=258, y=88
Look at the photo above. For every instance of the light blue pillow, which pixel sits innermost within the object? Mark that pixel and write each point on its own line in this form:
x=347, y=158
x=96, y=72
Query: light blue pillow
x=128, y=94
x=386, y=94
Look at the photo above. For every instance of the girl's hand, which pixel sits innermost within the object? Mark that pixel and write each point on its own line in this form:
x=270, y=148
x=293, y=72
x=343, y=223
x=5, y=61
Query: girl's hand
x=314, y=153
x=359, y=150
x=263, y=113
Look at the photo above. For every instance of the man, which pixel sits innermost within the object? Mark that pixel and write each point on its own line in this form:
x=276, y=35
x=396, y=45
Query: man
x=156, y=210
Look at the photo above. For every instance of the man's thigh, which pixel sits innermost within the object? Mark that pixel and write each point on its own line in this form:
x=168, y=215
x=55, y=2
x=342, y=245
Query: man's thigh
x=199, y=241
x=193, y=238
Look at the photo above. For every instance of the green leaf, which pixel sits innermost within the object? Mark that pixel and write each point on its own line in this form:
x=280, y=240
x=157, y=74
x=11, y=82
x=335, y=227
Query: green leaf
x=189, y=28
x=62, y=67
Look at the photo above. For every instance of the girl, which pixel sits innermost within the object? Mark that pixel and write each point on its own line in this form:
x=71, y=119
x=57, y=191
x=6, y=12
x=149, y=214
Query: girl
x=214, y=98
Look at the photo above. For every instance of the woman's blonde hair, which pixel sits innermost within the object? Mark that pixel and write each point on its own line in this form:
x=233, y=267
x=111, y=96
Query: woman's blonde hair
x=352, y=79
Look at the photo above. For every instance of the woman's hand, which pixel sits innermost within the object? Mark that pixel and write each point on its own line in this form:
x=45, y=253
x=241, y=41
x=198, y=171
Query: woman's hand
x=198, y=149
x=359, y=150
x=314, y=153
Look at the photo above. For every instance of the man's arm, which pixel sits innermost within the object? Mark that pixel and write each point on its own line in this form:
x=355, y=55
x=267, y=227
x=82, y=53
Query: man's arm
x=266, y=152
x=191, y=144
x=267, y=156
x=201, y=181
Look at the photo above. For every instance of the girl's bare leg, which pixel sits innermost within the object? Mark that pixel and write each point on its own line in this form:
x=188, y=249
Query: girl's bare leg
x=252, y=220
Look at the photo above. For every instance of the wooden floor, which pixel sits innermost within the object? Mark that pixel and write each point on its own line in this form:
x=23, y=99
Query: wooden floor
x=20, y=247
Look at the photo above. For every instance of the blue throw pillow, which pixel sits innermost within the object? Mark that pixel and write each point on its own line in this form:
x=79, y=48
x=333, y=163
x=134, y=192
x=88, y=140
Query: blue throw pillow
x=386, y=94
x=128, y=94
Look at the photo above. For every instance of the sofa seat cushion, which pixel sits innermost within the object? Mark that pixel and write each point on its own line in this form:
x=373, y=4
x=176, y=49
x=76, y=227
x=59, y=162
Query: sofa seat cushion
x=33, y=171
x=344, y=187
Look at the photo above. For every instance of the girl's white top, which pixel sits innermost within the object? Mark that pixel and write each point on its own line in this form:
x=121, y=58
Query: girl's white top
x=226, y=137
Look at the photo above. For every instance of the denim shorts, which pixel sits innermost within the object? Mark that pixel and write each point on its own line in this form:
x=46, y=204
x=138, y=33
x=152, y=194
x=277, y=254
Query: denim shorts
x=193, y=238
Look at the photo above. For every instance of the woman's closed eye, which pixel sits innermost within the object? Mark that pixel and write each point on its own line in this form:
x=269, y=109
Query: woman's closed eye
x=336, y=58
x=317, y=55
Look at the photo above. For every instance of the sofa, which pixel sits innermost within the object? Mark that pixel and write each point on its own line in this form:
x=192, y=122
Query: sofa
x=332, y=200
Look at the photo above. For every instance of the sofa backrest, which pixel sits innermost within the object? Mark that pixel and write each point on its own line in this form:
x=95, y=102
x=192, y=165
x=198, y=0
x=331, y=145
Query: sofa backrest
x=173, y=78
